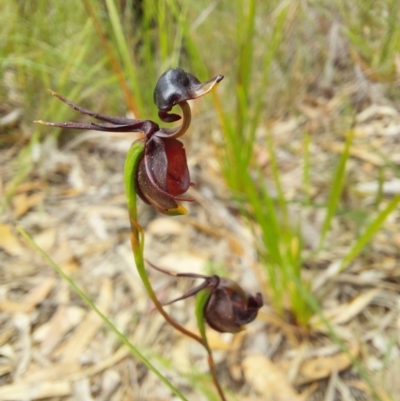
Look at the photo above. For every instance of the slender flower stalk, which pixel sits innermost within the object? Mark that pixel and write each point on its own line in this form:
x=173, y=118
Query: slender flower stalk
x=137, y=243
x=201, y=301
x=156, y=171
x=137, y=235
x=223, y=304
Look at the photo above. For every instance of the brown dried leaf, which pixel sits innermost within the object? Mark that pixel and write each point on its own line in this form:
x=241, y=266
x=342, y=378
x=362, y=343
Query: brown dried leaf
x=217, y=341
x=6, y=334
x=360, y=152
x=33, y=298
x=38, y=294
x=353, y=308
x=181, y=262
x=54, y=372
x=4, y=369
x=10, y=306
x=9, y=241
x=37, y=390
x=23, y=202
x=65, y=318
x=321, y=367
x=345, y=312
x=269, y=380
x=85, y=332
x=46, y=239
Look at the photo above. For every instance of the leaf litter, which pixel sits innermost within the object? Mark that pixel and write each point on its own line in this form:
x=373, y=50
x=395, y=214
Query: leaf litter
x=51, y=346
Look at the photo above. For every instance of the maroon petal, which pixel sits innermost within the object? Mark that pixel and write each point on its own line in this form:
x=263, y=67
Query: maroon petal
x=166, y=167
x=178, y=178
x=163, y=174
x=157, y=162
x=219, y=313
x=150, y=193
x=245, y=314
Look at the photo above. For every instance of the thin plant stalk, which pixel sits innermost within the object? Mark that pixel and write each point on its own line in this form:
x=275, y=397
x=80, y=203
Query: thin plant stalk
x=137, y=237
x=370, y=230
x=202, y=297
x=137, y=243
x=201, y=300
x=336, y=189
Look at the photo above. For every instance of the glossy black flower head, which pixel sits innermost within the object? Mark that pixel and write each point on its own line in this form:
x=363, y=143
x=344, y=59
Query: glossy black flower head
x=176, y=86
x=228, y=308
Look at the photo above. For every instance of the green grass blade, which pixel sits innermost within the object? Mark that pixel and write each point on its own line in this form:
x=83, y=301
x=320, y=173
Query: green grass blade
x=336, y=188
x=277, y=178
x=245, y=29
x=265, y=214
x=271, y=49
x=393, y=32
x=108, y=323
x=245, y=40
x=370, y=231
x=123, y=48
x=163, y=39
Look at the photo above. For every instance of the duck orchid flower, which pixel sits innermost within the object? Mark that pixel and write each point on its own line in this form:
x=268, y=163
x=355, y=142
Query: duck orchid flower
x=228, y=308
x=162, y=174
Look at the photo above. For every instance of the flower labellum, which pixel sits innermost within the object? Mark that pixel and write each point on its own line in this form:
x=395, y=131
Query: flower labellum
x=163, y=175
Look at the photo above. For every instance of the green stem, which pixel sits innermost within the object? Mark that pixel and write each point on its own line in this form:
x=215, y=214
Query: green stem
x=137, y=237
x=201, y=302
x=137, y=241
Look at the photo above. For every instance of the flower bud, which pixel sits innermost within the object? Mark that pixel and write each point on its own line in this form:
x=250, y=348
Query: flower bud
x=224, y=305
x=229, y=307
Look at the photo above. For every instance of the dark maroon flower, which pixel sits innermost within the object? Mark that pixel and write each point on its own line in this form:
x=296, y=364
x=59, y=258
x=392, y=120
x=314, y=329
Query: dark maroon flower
x=162, y=174
x=228, y=307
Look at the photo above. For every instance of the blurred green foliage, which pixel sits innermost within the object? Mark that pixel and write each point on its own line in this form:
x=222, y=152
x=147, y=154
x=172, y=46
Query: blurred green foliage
x=107, y=56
